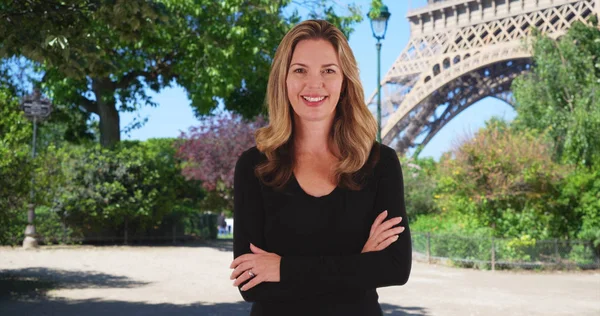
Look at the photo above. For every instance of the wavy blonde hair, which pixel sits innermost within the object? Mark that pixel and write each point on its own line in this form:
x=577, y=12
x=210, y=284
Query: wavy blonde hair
x=354, y=127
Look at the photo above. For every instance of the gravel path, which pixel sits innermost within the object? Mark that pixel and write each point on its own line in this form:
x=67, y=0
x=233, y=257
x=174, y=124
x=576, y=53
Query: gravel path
x=194, y=280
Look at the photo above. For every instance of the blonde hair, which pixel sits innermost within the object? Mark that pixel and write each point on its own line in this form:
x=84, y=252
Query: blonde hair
x=354, y=127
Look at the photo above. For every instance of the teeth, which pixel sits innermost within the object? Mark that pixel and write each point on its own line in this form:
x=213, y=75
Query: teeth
x=309, y=99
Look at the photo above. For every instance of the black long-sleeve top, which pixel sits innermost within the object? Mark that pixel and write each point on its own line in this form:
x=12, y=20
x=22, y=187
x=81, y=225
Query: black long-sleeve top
x=320, y=240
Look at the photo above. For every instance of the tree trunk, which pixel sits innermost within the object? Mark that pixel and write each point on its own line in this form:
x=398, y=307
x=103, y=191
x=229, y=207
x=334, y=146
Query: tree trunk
x=126, y=231
x=110, y=130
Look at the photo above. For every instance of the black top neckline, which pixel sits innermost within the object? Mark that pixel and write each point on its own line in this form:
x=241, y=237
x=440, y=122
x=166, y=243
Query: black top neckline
x=299, y=187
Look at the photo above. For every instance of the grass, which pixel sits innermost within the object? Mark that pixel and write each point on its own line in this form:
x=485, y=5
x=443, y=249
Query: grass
x=225, y=236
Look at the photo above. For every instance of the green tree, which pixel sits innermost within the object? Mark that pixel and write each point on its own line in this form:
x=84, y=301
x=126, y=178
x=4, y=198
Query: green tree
x=505, y=180
x=580, y=192
x=561, y=96
x=128, y=189
x=101, y=57
x=419, y=186
x=15, y=167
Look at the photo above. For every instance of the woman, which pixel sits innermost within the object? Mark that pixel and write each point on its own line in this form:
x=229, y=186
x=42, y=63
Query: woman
x=319, y=212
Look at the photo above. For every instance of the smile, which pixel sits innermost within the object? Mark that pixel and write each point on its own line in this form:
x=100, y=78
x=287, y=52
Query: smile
x=313, y=99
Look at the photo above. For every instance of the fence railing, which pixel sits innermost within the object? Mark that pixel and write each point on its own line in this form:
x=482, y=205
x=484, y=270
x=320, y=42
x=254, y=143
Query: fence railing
x=481, y=252
x=200, y=226
x=112, y=239
x=492, y=253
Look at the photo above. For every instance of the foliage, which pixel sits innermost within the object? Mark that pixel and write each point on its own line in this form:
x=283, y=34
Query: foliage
x=419, y=186
x=583, y=254
x=448, y=222
x=518, y=249
x=561, y=96
x=135, y=185
x=475, y=250
x=52, y=229
x=581, y=193
x=210, y=152
x=15, y=167
x=375, y=9
x=505, y=180
x=560, y=100
x=101, y=57
x=452, y=245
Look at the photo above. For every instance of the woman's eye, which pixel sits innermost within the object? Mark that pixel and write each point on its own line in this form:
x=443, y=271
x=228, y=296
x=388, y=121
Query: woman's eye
x=330, y=71
x=299, y=70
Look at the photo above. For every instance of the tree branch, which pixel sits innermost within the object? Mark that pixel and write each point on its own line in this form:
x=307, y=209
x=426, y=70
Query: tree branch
x=89, y=105
x=157, y=70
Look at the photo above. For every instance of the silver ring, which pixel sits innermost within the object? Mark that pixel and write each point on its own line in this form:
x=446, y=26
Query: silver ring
x=251, y=274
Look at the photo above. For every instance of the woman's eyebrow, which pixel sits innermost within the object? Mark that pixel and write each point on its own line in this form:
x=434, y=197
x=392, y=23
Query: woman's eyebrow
x=323, y=66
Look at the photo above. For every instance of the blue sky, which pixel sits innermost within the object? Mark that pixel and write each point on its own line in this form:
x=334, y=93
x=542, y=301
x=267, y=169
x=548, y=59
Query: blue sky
x=174, y=113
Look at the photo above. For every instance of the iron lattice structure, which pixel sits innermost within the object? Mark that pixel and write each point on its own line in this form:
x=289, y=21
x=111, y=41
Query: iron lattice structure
x=459, y=52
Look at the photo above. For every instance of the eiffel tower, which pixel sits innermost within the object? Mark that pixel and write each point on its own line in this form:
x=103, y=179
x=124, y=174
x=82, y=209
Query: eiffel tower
x=459, y=52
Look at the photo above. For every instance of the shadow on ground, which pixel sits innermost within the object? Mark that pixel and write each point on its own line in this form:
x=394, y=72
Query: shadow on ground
x=24, y=292
x=34, y=283
x=403, y=310
x=113, y=308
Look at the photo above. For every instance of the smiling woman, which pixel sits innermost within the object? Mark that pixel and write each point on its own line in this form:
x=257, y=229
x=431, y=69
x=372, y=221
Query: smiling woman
x=314, y=81
x=319, y=213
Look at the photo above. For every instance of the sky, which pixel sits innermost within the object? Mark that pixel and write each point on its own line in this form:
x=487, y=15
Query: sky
x=174, y=113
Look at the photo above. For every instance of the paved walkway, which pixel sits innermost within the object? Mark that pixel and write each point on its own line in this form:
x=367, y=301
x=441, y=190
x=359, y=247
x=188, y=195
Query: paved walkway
x=194, y=280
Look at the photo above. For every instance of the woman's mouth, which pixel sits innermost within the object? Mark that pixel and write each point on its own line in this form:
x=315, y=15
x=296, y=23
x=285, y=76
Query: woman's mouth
x=314, y=100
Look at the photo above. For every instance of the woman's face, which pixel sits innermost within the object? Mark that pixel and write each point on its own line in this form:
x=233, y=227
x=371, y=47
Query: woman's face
x=314, y=80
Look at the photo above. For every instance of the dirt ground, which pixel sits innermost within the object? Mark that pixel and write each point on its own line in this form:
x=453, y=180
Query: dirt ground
x=194, y=280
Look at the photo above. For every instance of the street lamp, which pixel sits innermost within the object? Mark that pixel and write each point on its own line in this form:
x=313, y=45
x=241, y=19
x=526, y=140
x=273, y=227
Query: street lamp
x=379, y=27
x=36, y=109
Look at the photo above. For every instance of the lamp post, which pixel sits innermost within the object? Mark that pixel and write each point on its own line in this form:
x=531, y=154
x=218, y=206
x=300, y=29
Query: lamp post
x=36, y=109
x=379, y=27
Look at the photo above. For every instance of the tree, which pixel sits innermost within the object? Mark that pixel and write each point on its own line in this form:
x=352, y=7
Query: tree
x=15, y=167
x=211, y=150
x=130, y=188
x=561, y=96
x=101, y=57
x=419, y=185
x=505, y=180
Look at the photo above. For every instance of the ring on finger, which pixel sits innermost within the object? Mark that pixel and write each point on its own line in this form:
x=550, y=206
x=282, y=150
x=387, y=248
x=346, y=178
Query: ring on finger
x=251, y=274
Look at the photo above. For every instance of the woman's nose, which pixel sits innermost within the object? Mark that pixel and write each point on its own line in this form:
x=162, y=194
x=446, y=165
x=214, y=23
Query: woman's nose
x=314, y=81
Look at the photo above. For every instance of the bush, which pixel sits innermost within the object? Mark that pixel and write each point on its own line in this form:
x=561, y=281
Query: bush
x=15, y=169
x=52, y=229
x=419, y=186
x=504, y=180
x=583, y=254
x=581, y=193
x=516, y=249
x=133, y=187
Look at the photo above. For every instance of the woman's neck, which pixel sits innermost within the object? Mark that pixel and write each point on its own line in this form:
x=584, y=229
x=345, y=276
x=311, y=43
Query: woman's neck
x=312, y=137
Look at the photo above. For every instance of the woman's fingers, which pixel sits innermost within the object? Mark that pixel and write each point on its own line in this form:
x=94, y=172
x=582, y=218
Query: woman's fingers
x=240, y=269
x=256, y=250
x=384, y=244
x=243, y=277
x=254, y=282
x=240, y=259
x=382, y=232
x=388, y=233
x=378, y=222
x=388, y=224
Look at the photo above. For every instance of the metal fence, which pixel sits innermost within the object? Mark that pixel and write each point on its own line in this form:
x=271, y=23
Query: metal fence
x=196, y=227
x=481, y=252
x=111, y=239
x=493, y=253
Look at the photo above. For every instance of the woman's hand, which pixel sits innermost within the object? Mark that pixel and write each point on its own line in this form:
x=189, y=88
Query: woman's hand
x=382, y=234
x=260, y=266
